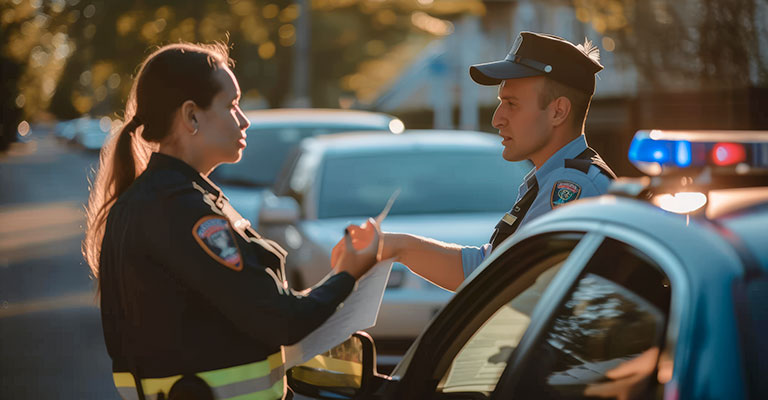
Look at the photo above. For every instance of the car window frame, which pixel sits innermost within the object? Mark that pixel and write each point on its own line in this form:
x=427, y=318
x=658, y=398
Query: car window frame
x=307, y=201
x=311, y=206
x=677, y=323
x=282, y=186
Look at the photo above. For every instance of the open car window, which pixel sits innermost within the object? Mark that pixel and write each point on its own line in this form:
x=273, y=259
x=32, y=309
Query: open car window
x=484, y=322
x=482, y=360
x=604, y=340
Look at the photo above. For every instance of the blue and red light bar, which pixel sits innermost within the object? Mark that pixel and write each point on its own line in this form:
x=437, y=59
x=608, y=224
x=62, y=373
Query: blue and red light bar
x=724, y=154
x=658, y=152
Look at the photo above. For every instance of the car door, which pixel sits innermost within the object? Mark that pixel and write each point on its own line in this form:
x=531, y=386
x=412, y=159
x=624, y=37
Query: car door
x=602, y=337
x=518, y=276
x=563, y=315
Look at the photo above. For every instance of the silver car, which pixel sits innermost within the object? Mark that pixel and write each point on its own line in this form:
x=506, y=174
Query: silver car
x=271, y=137
x=454, y=187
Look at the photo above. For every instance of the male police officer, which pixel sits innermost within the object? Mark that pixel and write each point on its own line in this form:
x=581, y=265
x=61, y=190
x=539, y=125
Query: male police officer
x=545, y=87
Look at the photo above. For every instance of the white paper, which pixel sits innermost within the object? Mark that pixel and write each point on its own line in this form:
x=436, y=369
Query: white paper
x=357, y=312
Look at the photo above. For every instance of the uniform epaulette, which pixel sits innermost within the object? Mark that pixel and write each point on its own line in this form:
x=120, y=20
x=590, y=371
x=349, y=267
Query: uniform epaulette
x=589, y=157
x=579, y=164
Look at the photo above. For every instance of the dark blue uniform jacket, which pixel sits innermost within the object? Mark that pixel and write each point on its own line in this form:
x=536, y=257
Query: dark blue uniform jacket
x=171, y=306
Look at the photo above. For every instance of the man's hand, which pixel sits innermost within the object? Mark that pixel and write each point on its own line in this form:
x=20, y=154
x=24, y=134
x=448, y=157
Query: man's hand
x=361, y=236
x=358, y=250
x=625, y=377
x=436, y=261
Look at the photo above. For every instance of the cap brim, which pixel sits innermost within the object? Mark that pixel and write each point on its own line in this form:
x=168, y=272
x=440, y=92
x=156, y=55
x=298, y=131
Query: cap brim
x=493, y=73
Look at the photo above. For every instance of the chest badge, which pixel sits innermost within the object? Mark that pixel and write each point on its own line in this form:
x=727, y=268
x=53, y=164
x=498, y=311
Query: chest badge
x=563, y=192
x=509, y=219
x=215, y=237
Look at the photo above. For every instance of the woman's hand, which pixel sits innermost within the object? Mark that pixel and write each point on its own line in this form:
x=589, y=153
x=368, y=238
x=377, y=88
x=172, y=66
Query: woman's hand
x=359, y=250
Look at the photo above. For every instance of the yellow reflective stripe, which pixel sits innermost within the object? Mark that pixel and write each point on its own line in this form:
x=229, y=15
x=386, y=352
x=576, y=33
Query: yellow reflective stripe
x=276, y=360
x=123, y=379
x=155, y=385
x=267, y=373
x=333, y=364
x=273, y=393
x=249, y=386
x=325, y=378
x=151, y=385
x=235, y=374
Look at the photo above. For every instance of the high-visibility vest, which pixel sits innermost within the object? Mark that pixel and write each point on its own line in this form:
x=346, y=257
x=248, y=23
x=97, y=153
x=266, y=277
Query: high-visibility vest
x=261, y=380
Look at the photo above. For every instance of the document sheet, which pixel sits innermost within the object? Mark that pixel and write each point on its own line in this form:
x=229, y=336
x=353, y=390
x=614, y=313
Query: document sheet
x=358, y=312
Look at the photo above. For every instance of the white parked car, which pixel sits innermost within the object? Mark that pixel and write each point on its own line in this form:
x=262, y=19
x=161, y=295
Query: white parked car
x=454, y=186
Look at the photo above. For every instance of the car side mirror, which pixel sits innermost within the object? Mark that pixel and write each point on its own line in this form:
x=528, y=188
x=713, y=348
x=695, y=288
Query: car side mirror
x=344, y=372
x=278, y=210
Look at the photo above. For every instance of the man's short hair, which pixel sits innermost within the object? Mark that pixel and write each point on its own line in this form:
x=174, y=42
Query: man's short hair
x=580, y=100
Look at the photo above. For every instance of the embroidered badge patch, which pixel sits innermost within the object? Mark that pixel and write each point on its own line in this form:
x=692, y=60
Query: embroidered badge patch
x=563, y=192
x=213, y=234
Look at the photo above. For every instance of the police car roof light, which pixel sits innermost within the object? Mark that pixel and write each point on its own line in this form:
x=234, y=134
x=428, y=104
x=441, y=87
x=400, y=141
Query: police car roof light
x=660, y=152
x=728, y=154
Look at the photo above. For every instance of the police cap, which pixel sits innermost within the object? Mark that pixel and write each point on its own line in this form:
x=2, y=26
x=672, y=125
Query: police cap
x=537, y=54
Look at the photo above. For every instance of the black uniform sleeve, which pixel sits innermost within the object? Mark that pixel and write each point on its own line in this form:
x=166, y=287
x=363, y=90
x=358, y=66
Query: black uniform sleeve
x=251, y=297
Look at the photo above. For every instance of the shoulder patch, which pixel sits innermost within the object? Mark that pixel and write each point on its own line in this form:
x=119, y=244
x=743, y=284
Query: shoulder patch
x=563, y=192
x=214, y=235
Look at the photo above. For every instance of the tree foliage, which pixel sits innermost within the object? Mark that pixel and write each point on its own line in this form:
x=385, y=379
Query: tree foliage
x=695, y=43
x=76, y=57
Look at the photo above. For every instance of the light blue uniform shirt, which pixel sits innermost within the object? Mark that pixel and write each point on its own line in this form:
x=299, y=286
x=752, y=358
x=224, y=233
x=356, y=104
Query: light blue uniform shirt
x=552, y=173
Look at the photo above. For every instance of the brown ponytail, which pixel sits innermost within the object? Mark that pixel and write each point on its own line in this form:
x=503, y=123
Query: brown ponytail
x=123, y=164
x=170, y=76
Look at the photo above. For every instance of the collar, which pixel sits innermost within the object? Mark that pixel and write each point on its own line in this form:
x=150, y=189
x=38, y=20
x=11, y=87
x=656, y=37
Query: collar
x=528, y=182
x=570, y=150
x=159, y=161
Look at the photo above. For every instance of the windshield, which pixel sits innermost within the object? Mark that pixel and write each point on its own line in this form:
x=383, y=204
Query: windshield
x=430, y=182
x=267, y=149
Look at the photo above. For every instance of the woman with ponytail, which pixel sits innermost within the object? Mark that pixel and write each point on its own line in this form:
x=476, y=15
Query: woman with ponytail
x=194, y=303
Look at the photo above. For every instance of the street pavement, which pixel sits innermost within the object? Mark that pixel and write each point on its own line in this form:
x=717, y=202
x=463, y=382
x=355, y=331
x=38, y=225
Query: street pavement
x=51, y=343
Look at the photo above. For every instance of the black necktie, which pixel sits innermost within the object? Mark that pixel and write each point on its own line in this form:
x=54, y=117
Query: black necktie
x=511, y=220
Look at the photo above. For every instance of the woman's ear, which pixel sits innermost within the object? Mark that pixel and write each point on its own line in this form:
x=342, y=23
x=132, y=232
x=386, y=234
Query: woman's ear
x=188, y=117
x=560, y=110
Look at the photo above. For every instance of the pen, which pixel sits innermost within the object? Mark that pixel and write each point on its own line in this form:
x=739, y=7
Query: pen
x=383, y=214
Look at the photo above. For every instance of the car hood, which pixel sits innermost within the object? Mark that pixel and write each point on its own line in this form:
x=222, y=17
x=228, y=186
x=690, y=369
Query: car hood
x=473, y=229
